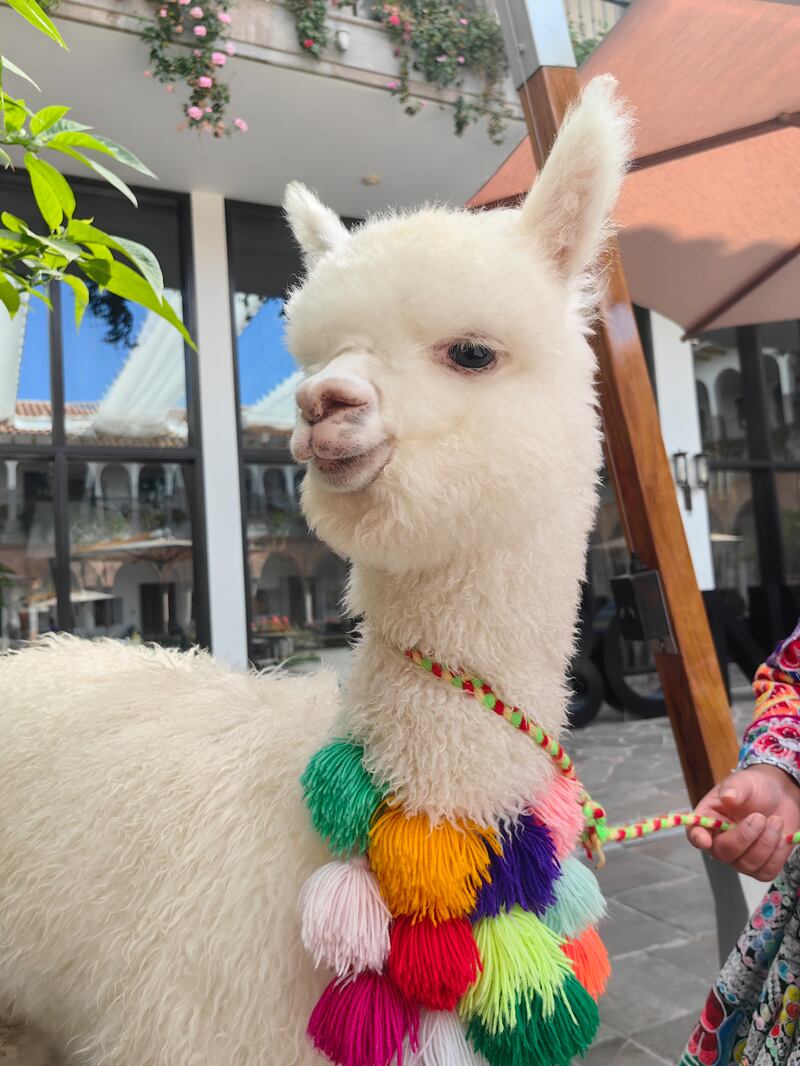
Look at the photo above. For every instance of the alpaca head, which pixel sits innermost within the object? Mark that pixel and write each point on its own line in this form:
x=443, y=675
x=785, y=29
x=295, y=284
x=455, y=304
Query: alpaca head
x=448, y=399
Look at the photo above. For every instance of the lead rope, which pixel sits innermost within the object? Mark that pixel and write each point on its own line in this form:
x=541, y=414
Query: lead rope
x=596, y=831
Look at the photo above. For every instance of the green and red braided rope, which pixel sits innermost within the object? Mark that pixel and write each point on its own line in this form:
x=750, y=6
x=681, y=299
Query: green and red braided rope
x=597, y=831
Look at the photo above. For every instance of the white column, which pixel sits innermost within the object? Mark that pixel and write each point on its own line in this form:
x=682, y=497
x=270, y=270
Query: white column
x=680, y=428
x=218, y=415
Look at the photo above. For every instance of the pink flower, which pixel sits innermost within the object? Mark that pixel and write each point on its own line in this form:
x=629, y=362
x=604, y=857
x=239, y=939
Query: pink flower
x=170, y=88
x=148, y=73
x=240, y=124
x=209, y=110
x=308, y=43
x=178, y=28
x=464, y=22
x=393, y=20
x=224, y=17
x=461, y=60
x=392, y=85
x=196, y=12
x=218, y=59
x=196, y=53
x=163, y=13
x=230, y=48
x=195, y=113
x=441, y=59
x=205, y=82
x=183, y=3
x=200, y=31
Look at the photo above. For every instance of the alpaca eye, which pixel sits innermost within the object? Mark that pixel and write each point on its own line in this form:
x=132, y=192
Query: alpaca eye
x=470, y=355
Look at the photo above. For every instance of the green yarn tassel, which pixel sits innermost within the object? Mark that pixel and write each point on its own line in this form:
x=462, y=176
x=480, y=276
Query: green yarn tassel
x=538, y=1040
x=340, y=796
x=521, y=957
x=579, y=901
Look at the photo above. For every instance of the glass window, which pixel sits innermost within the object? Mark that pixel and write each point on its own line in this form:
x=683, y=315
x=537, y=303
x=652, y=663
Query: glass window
x=124, y=374
x=26, y=415
x=720, y=395
x=733, y=534
x=787, y=484
x=780, y=354
x=131, y=550
x=27, y=550
x=264, y=261
x=125, y=369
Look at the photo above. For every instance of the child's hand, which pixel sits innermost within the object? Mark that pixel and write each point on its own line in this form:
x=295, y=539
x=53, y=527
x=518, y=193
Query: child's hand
x=765, y=802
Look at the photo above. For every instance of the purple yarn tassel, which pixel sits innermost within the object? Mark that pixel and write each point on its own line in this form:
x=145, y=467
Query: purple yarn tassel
x=524, y=874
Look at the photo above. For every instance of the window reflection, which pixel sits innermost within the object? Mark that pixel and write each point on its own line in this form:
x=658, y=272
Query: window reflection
x=268, y=375
x=124, y=374
x=720, y=395
x=26, y=415
x=780, y=355
x=787, y=484
x=27, y=549
x=733, y=534
x=131, y=551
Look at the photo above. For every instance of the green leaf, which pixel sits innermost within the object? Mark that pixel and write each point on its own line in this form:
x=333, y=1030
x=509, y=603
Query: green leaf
x=98, y=168
x=96, y=143
x=15, y=114
x=33, y=14
x=128, y=284
x=64, y=125
x=99, y=270
x=56, y=181
x=12, y=222
x=54, y=197
x=6, y=159
x=141, y=257
x=9, y=295
x=81, y=296
x=6, y=64
x=47, y=117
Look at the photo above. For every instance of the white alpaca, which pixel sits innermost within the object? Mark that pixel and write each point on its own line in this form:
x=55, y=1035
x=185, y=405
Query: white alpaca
x=153, y=839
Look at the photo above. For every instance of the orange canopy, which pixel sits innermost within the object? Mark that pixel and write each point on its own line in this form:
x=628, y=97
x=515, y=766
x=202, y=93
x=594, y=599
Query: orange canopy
x=710, y=215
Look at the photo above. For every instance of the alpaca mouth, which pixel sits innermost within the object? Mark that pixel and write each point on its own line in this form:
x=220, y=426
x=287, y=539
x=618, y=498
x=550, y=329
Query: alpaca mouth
x=353, y=473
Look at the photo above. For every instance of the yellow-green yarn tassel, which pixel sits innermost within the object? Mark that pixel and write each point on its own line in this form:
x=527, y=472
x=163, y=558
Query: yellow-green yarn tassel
x=340, y=796
x=521, y=957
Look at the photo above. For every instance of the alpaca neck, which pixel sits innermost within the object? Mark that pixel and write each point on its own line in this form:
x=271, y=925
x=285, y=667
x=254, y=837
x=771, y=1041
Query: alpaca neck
x=437, y=751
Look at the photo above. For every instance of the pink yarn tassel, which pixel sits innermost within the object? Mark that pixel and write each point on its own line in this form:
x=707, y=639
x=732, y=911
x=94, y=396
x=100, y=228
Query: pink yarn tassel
x=363, y=1022
x=558, y=808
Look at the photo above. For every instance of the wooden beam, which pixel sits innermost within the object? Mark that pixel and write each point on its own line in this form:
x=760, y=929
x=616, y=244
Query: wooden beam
x=781, y=122
x=739, y=293
x=690, y=678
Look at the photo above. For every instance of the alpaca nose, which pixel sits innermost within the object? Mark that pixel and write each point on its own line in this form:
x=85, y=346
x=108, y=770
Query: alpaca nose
x=321, y=398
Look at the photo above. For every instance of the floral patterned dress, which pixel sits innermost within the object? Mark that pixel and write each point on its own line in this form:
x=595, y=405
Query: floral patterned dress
x=751, y=1015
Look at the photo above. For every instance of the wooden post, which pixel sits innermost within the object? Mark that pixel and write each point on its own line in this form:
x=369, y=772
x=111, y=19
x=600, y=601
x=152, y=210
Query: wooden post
x=694, y=692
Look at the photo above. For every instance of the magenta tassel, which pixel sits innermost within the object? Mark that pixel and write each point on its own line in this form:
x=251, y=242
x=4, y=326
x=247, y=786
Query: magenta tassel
x=363, y=1022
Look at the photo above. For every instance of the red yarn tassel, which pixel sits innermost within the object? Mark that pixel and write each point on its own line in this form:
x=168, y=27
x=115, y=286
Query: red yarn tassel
x=433, y=964
x=590, y=961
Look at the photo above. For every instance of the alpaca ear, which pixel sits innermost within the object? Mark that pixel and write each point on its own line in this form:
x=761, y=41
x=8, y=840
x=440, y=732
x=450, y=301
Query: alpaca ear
x=316, y=228
x=568, y=209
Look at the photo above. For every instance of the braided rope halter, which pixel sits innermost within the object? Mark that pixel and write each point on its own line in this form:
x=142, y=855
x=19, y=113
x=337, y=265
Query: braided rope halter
x=597, y=832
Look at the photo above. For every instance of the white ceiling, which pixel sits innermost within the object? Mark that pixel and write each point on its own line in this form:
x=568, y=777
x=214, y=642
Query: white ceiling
x=324, y=131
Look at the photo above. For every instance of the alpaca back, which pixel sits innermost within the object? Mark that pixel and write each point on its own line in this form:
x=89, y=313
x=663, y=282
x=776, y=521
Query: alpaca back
x=152, y=845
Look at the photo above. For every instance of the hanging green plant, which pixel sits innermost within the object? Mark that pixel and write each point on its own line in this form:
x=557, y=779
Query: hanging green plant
x=442, y=42
x=311, y=23
x=187, y=44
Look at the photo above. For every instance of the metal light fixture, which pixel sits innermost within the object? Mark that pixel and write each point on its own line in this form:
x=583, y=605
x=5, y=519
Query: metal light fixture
x=701, y=470
x=680, y=465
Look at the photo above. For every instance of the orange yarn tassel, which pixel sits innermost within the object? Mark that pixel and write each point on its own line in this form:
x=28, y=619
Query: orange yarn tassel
x=590, y=960
x=429, y=871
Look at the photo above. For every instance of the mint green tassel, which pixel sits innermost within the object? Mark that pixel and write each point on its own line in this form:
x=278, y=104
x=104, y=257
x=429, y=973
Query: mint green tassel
x=340, y=796
x=579, y=901
x=536, y=1040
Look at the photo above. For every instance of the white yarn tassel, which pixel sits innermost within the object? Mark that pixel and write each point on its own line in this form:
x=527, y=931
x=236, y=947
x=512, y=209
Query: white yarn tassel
x=442, y=1042
x=344, y=922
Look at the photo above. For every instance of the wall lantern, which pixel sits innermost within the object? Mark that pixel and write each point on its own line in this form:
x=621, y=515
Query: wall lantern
x=701, y=470
x=342, y=39
x=680, y=464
